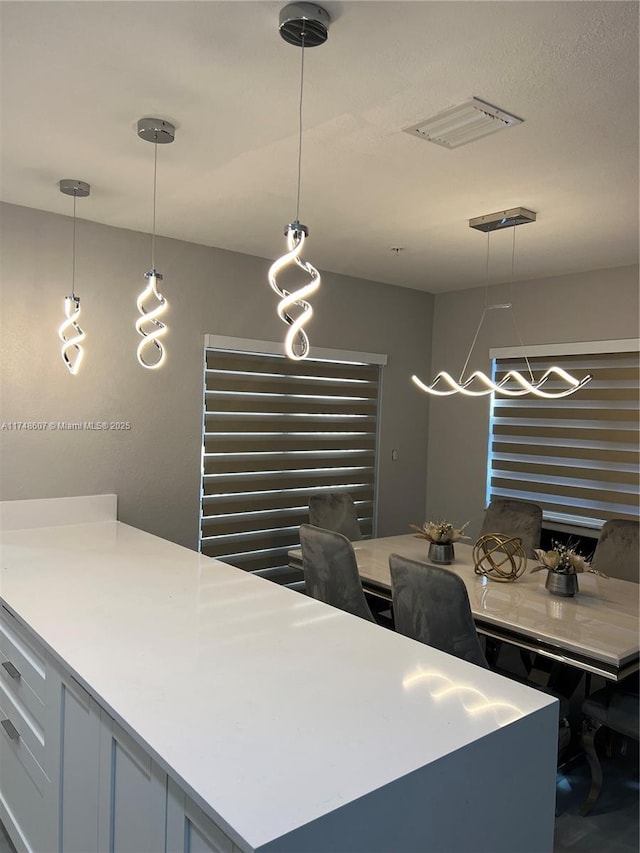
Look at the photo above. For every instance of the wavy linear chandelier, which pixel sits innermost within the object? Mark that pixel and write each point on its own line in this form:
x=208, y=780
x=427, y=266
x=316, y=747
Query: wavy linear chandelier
x=151, y=304
x=70, y=333
x=513, y=383
x=303, y=25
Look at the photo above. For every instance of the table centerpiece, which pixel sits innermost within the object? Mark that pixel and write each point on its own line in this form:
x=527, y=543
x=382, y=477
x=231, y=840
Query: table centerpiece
x=441, y=535
x=563, y=564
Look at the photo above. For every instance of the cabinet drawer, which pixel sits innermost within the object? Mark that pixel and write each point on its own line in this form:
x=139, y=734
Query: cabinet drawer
x=16, y=686
x=26, y=730
x=16, y=759
x=20, y=653
x=24, y=791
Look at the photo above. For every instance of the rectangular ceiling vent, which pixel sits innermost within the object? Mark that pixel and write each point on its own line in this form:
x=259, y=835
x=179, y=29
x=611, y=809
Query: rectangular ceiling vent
x=462, y=124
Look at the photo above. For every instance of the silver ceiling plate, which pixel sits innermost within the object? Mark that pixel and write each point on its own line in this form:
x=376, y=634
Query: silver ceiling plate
x=304, y=24
x=503, y=219
x=156, y=130
x=71, y=186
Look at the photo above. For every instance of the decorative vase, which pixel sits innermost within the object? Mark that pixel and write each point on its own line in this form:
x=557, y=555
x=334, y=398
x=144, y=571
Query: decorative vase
x=441, y=552
x=559, y=583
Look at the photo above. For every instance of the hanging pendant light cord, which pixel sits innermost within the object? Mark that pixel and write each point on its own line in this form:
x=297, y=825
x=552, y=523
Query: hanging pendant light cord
x=155, y=183
x=73, y=250
x=300, y=132
x=486, y=308
x=513, y=313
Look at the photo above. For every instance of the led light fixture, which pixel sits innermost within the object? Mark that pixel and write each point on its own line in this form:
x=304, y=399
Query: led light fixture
x=303, y=25
x=151, y=303
x=513, y=383
x=70, y=333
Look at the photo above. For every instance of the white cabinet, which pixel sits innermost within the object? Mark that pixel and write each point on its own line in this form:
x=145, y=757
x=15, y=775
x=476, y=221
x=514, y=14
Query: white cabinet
x=79, y=768
x=174, y=652
x=189, y=830
x=26, y=733
x=133, y=794
x=71, y=778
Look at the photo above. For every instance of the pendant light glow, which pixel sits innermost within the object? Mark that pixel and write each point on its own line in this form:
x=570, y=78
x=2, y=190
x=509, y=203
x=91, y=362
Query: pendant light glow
x=72, y=335
x=491, y=387
x=151, y=353
x=151, y=303
x=302, y=25
x=69, y=332
x=296, y=342
x=513, y=383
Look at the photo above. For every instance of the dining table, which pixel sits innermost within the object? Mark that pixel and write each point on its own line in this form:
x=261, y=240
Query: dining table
x=596, y=630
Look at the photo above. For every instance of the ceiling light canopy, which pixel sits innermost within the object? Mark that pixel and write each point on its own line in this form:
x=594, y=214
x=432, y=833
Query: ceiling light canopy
x=503, y=219
x=513, y=384
x=463, y=124
x=302, y=25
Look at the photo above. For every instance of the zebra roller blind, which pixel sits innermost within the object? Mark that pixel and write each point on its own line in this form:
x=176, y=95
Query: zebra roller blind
x=578, y=456
x=277, y=431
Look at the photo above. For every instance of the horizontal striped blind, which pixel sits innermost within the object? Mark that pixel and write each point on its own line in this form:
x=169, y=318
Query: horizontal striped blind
x=276, y=432
x=577, y=456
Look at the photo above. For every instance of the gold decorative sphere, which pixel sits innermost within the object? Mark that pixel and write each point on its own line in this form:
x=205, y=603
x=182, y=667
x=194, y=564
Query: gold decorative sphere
x=499, y=557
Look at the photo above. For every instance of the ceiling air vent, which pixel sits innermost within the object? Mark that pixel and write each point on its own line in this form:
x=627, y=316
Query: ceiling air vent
x=464, y=123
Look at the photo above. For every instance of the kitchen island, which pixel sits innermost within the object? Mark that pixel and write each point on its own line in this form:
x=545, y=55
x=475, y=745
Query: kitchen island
x=168, y=701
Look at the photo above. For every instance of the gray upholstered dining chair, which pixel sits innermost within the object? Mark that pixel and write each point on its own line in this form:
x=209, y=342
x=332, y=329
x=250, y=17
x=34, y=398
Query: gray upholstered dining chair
x=331, y=572
x=431, y=605
x=616, y=707
x=517, y=519
x=335, y=511
x=513, y=518
x=617, y=553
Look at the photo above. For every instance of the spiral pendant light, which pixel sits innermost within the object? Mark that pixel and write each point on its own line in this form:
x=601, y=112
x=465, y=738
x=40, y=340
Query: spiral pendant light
x=151, y=304
x=70, y=333
x=302, y=25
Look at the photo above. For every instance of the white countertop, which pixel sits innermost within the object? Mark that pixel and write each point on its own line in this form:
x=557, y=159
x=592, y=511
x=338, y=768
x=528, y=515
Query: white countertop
x=600, y=621
x=269, y=707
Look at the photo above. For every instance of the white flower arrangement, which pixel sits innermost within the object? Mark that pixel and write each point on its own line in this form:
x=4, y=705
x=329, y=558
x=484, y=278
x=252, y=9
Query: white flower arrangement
x=441, y=532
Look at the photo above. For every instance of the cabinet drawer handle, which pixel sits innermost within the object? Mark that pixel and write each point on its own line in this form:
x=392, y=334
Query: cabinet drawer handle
x=10, y=729
x=13, y=671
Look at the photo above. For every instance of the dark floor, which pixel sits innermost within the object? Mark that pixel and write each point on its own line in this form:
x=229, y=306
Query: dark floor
x=612, y=826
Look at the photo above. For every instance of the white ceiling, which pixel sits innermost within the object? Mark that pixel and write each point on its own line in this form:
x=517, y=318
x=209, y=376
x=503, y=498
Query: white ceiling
x=78, y=75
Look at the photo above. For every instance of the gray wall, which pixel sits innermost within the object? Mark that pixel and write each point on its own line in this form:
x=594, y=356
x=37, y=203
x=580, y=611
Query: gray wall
x=595, y=305
x=155, y=467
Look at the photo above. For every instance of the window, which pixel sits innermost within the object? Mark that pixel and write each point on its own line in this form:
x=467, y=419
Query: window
x=577, y=457
x=275, y=432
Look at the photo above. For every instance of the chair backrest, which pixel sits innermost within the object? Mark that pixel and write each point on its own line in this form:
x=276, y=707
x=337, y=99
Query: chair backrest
x=519, y=519
x=335, y=511
x=431, y=604
x=618, y=550
x=331, y=572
